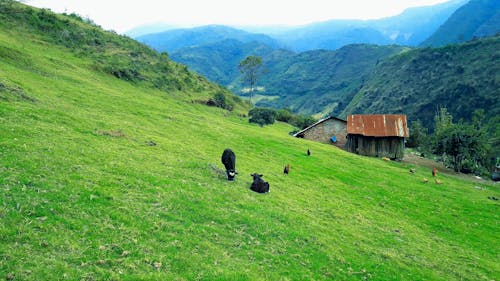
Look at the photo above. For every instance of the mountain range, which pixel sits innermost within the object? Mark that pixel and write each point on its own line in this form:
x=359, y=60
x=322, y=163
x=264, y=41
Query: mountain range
x=325, y=82
x=176, y=39
x=409, y=28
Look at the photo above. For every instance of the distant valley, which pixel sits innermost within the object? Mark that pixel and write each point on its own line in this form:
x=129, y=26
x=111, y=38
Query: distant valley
x=339, y=67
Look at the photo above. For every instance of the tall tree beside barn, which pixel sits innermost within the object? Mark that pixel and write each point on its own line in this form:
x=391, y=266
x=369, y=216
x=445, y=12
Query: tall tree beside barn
x=465, y=146
x=418, y=135
x=251, y=68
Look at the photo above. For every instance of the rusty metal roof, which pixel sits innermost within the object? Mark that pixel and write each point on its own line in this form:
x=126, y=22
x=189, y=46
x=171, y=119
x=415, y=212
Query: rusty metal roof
x=378, y=125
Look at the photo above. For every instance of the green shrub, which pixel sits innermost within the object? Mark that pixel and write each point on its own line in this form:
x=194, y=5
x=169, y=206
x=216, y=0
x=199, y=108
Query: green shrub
x=466, y=146
x=262, y=116
x=303, y=121
x=284, y=115
x=219, y=100
x=418, y=135
x=298, y=120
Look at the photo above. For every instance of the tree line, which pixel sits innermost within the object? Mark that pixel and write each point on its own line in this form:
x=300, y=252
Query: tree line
x=467, y=147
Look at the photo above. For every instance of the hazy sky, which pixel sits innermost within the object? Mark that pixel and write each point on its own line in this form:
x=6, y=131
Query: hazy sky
x=123, y=15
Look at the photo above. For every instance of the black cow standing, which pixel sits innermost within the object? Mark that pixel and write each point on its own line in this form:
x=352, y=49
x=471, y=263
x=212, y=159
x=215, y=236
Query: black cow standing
x=229, y=161
x=258, y=184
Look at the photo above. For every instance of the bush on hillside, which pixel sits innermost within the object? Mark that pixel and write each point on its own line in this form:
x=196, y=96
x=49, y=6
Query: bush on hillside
x=298, y=120
x=284, y=115
x=304, y=121
x=262, y=116
x=219, y=100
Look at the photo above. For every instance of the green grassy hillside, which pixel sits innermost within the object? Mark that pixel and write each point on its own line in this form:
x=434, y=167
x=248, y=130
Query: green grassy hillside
x=107, y=52
x=108, y=179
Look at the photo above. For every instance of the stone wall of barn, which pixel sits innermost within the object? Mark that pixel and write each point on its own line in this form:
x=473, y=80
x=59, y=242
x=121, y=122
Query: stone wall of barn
x=324, y=131
x=391, y=147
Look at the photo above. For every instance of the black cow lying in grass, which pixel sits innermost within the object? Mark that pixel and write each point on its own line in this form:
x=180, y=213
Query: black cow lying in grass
x=229, y=161
x=258, y=184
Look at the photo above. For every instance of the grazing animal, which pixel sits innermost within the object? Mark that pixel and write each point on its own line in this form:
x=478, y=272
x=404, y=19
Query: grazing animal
x=308, y=152
x=229, y=161
x=258, y=184
x=434, y=172
x=412, y=170
x=287, y=169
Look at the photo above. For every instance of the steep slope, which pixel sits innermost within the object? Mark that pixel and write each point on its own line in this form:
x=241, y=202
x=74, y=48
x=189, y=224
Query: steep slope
x=106, y=179
x=462, y=78
x=416, y=24
x=490, y=27
x=173, y=40
x=111, y=54
x=477, y=18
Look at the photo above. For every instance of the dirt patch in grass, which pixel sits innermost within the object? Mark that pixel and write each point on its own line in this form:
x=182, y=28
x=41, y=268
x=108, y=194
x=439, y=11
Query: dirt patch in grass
x=114, y=134
x=413, y=159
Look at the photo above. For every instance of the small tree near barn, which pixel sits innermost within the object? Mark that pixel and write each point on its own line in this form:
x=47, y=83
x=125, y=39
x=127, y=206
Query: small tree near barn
x=262, y=116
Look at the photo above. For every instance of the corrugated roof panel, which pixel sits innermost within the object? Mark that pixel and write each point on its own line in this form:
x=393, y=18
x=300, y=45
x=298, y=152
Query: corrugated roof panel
x=378, y=125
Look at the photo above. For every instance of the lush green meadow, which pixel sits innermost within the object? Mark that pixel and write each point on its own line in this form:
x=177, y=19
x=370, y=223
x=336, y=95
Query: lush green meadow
x=104, y=179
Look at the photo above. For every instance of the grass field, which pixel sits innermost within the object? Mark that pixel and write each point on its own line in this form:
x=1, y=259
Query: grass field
x=102, y=179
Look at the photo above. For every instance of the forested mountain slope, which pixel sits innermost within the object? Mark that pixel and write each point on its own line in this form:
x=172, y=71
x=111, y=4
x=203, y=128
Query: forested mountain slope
x=477, y=18
x=321, y=82
x=314, y=82
x=462, y=78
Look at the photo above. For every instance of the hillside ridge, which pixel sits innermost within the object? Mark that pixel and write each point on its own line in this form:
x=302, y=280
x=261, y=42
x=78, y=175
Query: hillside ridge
x=477, y=18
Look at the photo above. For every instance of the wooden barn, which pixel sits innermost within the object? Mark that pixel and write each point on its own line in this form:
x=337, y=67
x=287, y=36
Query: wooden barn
x=329, y=130
x=379, y=135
